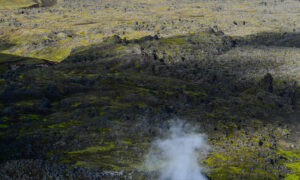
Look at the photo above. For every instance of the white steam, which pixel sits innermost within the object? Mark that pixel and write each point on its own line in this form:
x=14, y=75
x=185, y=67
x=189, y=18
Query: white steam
x=176, y=156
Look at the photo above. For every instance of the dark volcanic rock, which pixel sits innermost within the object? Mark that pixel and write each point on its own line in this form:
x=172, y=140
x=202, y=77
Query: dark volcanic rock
x=38, y=169
x=267, y=83
x=43, y=3
x=101, y=107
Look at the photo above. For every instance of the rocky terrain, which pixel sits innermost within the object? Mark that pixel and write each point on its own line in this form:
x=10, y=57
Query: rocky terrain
x=84, y=93
x=52, y=33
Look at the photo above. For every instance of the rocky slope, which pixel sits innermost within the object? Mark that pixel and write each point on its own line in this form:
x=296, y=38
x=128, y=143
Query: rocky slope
x=102, y=106
x=53, y=33
x=84, y=93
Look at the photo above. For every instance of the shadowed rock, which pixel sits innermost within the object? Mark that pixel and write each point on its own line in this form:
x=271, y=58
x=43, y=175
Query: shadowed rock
x=43, y=3
x=267, y=83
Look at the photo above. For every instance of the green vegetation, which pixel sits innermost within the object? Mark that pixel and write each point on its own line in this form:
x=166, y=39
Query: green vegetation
x=174, y=40
x=76, y=25
x=3, y=126
x=292, y=162
x=11, y=4
x=93, y=149
x=227, y=69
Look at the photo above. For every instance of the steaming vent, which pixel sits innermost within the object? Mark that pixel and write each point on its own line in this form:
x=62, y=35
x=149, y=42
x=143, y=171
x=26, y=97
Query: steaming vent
x=177, y=155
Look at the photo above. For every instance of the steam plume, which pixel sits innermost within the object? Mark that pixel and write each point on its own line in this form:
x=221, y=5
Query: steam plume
x=175, y=156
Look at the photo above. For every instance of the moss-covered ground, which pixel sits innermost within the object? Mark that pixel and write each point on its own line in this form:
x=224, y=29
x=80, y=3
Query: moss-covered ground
x=52, y=33
x=103, y=105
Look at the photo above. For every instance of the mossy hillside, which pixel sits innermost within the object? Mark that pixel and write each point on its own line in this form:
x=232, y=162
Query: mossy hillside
x=16, y=4
x=241, y=161
x=117, y=155
x=89, y=24
x=94, y=156
x=8, y=62
x=195, y=47
x=248, y=155
x=115, y=103
x=102, y=108
x=58, y=48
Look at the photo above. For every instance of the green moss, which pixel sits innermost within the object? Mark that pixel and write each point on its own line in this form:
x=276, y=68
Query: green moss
x=64, y=124
x=30, y=116
x=239, y=162
x=60, y=125
x=76, y=104
x=107, y=50
x=82, y=163
x=239, y=172
x=106, y=165
x=209, y=115
x=295, y=166
x=292, y=177
x=261, y=174
x=292, y=163
x=119, y=47
x=26, y=103
x=3, y=126
x=226, y=173
x=286, y=131
x=236, y=170
x=94, y=149
x=119, y=105
x=128, y=142
x=52, y=53
x=288, y=154
x=215, y=157
x=4, y=118
x=141, y=104
x=102, y=113
x=12, y=4
x=195, y=93
x=174, y=40
x=2, y=82
x=7, y=58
